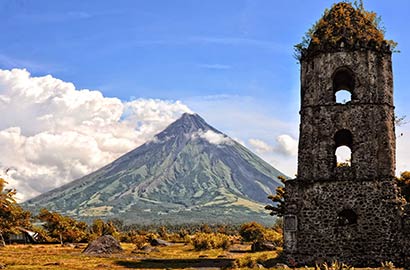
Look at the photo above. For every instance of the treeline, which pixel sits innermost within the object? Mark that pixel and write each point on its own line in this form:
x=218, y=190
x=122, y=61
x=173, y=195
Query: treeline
x=52, y=227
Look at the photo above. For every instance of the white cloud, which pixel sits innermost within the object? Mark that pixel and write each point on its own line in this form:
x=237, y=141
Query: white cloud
x=287, y=145
x=212, y=137
x=260, y=146
x=52, y=133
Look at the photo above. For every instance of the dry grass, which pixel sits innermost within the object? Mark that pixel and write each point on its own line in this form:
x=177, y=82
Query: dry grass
x=178, y=256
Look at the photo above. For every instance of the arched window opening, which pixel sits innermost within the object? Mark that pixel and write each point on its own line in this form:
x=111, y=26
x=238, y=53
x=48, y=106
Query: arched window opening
x=343, y=148
x=346, y=217
x=343, y=85
x=343, y=96
x=343, y=156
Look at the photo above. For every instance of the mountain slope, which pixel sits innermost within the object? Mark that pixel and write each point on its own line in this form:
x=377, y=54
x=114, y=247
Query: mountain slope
x=190, y=172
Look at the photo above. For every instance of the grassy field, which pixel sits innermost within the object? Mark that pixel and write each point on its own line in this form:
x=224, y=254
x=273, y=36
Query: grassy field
x=178, y=256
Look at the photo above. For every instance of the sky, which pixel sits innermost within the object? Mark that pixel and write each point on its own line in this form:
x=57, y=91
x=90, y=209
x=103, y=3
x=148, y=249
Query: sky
x=83, y=82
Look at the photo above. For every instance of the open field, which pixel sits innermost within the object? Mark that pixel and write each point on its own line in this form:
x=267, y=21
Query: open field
x=178, y=256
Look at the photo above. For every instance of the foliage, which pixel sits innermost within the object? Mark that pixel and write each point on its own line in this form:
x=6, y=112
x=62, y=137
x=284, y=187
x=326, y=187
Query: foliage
x=388, y=265
x=250, y=262
x=251, y=231
x=254, y=232
x=335, y=265
x=100, y=228
x=278, y=206
x=139, y=241
x=343, y=164
x=162, y=231
x=63, y=228
x=345, y=22
x=205, y=241
x=12, y=215
x=205, y=228
x=403, y=183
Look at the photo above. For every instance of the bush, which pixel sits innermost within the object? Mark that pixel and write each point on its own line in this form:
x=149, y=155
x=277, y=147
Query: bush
x=139, y=241
x=249, y=261
x=273, y=236
x=251, y=231
x=205, y=241
x=162, y=232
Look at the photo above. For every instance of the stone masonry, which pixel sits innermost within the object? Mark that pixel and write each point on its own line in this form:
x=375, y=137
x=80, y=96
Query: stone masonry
x=354, y=213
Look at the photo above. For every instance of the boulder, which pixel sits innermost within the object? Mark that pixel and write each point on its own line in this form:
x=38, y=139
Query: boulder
x=263, y=246
x=103, y=245
x=159, y=242
x=145, y=250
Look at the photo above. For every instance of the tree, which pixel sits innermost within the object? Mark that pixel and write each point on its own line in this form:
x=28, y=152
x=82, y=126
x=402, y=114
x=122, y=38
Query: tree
x=278, y=207
x=403, y=183
x=252, y=231
x=63, y=228
x=12, y=214
x=100, y=228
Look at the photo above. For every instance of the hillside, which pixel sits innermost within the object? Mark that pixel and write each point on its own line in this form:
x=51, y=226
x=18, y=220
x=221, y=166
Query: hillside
x=190, y=172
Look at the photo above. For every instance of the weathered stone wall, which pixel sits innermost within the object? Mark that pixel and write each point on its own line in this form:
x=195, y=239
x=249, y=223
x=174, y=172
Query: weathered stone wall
x=352, y=214
x=369, y=116
x=320, y=233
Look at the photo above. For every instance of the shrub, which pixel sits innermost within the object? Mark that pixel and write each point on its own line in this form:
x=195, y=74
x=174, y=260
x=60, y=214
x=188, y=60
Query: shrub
x=251, y=231
x=273, y=236
x=162, y=232
x=335, y=265
x=139, y=241
x=387, y=266
x=205, y=241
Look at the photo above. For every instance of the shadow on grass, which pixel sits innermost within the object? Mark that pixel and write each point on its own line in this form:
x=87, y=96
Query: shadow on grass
x=176, y=263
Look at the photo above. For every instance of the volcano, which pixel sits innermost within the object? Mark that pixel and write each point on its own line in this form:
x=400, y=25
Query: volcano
x=188, y=173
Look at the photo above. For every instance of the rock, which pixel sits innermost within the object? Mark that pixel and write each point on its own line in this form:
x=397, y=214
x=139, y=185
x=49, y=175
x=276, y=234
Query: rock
x=263, y=246
x=145, y=250
x=103, y=245
x=281, y=266
x=159, y=242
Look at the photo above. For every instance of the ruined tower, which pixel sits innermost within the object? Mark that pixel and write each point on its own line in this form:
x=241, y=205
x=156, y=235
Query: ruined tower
x=349, y=211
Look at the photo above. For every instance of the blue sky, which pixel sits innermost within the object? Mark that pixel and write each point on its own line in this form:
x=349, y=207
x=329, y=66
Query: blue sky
x=231, y=61
x=176, y=49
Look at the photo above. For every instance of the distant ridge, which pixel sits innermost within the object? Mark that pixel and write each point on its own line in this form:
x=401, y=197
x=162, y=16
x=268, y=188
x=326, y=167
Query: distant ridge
x=189, y=173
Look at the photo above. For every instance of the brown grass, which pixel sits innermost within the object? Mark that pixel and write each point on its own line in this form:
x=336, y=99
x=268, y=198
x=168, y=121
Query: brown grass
x=178, y=256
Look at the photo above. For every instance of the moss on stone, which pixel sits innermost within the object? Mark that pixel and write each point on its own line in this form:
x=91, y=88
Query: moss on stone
x=345, y=27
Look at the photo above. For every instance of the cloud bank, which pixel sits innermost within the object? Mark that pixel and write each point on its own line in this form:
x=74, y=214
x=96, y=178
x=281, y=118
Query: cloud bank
x=52, y=133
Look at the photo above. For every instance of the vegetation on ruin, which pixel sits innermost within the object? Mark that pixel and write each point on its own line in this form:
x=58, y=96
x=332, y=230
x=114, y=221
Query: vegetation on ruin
x=403, y=183
x=278, y=206
x=347, y=23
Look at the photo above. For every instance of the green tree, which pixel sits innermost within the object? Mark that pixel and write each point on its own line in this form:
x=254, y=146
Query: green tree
x=278, y=206
x=63, y=228
x=12, y=215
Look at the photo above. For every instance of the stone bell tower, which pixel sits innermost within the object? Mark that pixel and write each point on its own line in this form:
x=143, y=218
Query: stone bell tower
x=349, y=211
